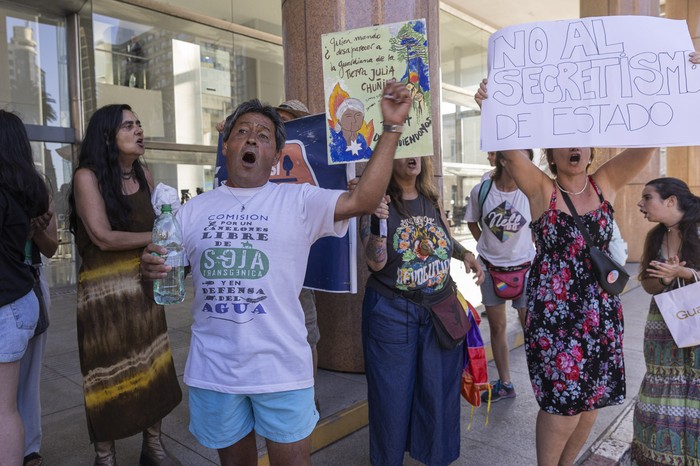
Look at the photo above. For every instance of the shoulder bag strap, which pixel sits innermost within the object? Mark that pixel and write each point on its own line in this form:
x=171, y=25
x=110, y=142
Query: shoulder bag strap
x=483, y=192
x=577, y=220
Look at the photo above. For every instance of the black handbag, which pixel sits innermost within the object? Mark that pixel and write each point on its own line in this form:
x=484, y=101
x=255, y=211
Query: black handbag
x=611, y=276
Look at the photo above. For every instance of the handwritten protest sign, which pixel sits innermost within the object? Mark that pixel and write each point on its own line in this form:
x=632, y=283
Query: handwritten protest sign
x=617, y=81
x=356, y=66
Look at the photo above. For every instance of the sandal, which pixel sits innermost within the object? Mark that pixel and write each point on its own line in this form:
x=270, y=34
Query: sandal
x=33, y=459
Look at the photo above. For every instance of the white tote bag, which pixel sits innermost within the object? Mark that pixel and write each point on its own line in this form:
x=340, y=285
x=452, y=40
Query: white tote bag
x=680, y=309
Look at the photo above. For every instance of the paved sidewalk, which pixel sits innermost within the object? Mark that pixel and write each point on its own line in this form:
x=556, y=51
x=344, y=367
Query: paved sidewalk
x=509, y=436
x=507, y=439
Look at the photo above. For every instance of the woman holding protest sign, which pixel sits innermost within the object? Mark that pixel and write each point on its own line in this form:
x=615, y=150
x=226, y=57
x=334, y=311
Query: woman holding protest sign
x=666, y=420
x=573, y=329
x=413, y=383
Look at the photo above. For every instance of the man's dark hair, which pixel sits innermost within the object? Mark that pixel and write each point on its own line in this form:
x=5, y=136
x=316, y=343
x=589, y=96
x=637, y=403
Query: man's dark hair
x=255, y=106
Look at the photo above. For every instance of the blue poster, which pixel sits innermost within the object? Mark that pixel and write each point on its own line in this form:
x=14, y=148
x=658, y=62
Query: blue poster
x=304, y=159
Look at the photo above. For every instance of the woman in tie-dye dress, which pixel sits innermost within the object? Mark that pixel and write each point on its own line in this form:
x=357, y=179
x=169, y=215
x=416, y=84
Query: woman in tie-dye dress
x=129, y=379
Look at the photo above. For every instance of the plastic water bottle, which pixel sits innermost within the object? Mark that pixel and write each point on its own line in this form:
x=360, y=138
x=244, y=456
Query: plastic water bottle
x=167, y=233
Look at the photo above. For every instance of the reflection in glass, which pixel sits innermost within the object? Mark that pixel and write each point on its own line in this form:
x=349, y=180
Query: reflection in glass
x=35, y=57
x=181, y=78
x=54, y=161
x=463, y=52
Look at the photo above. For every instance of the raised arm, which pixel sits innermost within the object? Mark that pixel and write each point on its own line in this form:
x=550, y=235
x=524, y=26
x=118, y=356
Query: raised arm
x=532, y=181
x=91, y=209
x=621, y=169
x=396, y=103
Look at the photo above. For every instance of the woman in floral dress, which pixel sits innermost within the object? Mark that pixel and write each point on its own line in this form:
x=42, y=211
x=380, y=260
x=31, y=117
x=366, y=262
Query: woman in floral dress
x=573, y=329
x=667, y=414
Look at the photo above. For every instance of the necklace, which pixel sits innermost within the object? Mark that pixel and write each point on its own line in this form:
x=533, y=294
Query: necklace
x=669, y=228
x=243, y=204
x=128, y=175
x=569, y=192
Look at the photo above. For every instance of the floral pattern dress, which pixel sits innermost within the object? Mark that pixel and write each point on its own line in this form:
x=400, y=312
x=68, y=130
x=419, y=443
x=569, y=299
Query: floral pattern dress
x=574, y=329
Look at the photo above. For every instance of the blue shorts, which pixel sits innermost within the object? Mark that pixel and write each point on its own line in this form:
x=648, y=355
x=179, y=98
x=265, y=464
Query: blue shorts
x=17, y=324
x=488, y=296
x=218, y=420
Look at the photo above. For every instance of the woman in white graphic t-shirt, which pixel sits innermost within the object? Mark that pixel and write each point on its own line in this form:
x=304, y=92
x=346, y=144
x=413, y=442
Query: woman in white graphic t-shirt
x=499, y=217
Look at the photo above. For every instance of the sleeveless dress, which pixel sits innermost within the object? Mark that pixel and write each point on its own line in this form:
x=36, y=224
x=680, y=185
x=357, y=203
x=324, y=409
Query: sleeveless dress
x=129, y=380
x=667, y=414
x=573, y=332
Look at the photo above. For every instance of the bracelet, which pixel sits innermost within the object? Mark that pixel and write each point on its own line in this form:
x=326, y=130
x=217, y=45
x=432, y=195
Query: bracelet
x=392, y=128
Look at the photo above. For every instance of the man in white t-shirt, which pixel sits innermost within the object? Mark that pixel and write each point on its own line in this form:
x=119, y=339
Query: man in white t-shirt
x=247, y=243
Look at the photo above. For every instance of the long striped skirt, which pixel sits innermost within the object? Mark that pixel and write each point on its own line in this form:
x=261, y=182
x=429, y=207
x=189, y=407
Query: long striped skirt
x=129, y=379
x=667, y=414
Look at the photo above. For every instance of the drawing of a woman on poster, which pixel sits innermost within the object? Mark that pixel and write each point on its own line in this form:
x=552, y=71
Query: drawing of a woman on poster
x=349, y=133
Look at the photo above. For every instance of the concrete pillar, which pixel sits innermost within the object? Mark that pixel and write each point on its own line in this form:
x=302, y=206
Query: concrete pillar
x=632, y=224
x=303, y=23
x=684, y=162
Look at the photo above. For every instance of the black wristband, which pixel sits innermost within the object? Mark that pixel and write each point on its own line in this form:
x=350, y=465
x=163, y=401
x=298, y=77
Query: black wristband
x=374, y=225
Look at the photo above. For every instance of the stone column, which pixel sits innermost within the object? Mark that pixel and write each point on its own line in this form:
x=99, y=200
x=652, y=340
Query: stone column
x=684, y=162
x=303, y=23
x=632, y=224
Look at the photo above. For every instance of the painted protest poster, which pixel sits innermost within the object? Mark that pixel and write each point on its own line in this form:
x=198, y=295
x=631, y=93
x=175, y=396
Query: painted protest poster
x=356, y=66
x=331, y=266
x=617, y=81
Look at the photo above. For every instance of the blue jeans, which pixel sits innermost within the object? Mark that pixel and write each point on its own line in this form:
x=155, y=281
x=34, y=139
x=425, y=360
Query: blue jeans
x=29, y=390
x=28, y=393
x=17, y=323
x=413, y=386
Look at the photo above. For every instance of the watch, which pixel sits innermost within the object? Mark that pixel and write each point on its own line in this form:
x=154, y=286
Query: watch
x=393, y=128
